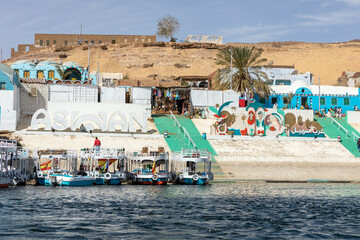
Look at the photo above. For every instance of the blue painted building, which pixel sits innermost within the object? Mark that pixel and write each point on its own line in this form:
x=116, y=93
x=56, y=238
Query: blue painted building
x=48, y=70
x=311, y=96
x=8, y=78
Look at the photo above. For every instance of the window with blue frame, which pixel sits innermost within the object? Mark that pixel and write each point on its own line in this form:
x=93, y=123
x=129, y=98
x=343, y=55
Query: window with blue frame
x=273, y=100
x=334, y=101
x=286, y=100
x=322, y=101
x=346, y=101
x=26, y=74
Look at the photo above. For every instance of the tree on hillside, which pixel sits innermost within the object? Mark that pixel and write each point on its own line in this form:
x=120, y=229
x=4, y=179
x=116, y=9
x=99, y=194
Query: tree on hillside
x=167, y=27
x=245, y=76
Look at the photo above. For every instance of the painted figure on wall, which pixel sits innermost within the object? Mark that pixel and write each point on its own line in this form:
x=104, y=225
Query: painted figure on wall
x=257, y=121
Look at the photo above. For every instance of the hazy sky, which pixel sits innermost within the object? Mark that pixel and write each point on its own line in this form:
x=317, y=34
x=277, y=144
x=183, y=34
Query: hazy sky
x=235, y=20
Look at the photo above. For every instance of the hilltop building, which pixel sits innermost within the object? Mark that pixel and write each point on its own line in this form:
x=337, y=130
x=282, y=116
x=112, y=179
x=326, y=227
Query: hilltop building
x=42, y=41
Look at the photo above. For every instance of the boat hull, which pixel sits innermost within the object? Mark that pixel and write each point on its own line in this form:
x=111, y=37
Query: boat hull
x=112, y=181
x=75, y=181
x=5, y=182
x=150, y=181
x=200, y=181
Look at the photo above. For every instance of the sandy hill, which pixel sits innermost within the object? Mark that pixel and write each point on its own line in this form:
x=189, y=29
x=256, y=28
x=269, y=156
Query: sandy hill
x=324, y=60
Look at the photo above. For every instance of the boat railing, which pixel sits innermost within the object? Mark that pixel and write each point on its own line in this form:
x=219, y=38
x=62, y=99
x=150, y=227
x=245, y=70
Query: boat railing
x=102, y=152
x=151, y=154
x=55, y=153
x=191, y=153
x=8, y=143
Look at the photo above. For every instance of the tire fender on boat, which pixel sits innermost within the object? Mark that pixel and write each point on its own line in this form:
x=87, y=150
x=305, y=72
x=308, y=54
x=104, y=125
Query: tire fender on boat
x=155, y=177
x=107, y=176
x=134, y=178
x=195, y=177
x=40, y=174
x=181, y=176
x=96, y=174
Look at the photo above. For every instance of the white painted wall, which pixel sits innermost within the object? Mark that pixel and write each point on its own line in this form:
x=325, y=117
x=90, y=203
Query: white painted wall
x=7, y=99
x=206, y=98
x=112, y=95
x=353, y=117
x=9, y=103
x=84, y=108
x=73, y=93
x=141, y=95
x=233, y=96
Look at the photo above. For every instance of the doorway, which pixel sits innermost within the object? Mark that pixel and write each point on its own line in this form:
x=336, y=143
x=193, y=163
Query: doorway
x=304, y=102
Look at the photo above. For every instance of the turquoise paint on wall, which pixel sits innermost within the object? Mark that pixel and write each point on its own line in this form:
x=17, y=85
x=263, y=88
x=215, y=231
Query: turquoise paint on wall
x=5, y=78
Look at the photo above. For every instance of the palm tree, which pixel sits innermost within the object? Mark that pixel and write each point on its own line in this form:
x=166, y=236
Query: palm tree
x=62, y=73
x=245, y=75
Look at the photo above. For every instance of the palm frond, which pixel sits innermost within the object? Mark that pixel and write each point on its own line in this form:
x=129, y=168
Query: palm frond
x=242, y=80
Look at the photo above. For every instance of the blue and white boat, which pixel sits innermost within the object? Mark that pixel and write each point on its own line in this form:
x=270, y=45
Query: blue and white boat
x=106, y=165
x=59, y=168
x=69, y=180
x=191, y=167
x=149, y=168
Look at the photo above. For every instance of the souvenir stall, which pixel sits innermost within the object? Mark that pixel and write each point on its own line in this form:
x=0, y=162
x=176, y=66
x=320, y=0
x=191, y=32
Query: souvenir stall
x=176, y=99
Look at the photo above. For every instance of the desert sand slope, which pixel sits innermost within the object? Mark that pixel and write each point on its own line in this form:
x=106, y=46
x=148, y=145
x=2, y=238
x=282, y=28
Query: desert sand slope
x=324, y=60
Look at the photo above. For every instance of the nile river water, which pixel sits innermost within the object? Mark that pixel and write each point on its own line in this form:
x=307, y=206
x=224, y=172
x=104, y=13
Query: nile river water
x=217, y=211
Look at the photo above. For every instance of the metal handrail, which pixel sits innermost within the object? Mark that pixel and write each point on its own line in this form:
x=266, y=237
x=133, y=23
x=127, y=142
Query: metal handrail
x=353, y=135
x=183, y=129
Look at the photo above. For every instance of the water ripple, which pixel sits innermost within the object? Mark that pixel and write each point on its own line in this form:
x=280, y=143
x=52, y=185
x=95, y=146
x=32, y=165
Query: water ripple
x=218, y=211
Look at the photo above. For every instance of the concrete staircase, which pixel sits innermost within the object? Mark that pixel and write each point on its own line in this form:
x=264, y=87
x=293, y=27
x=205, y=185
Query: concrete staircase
x=332, y=130
x=177, y=140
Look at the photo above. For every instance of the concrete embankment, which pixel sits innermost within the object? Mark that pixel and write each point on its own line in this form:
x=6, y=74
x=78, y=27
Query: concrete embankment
x=286, y=160
x=296, y=159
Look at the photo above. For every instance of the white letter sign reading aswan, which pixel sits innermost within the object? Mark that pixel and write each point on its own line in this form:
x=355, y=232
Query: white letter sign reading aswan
x=61, y=120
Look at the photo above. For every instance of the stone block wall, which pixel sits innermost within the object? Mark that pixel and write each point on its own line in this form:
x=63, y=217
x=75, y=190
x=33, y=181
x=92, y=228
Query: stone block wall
x=30, y=104
x=47, y=40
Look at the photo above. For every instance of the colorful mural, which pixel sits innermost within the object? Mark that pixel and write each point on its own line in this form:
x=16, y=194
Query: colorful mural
x=255, y=120
x=295, y=127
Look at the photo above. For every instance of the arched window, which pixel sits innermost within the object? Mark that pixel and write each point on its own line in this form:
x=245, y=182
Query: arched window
x=203, y=85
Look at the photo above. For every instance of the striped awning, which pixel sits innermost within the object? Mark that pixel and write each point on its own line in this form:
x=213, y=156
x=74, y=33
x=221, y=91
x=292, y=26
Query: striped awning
x=33, y=80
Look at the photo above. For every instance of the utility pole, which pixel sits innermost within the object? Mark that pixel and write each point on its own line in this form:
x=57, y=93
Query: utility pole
x=97, y=76
x=81, y=34
x=231, y=75
x=88, y=61
x=319, y=97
